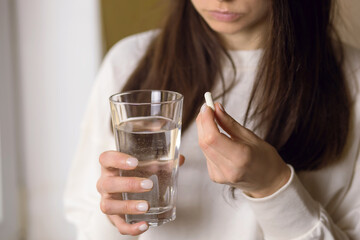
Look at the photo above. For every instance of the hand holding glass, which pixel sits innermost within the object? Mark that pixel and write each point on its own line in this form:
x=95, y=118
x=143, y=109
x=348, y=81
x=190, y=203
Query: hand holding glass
x=147, y=126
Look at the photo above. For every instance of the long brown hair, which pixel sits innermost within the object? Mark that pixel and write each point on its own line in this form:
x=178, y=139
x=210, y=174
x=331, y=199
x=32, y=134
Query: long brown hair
x=299, y=97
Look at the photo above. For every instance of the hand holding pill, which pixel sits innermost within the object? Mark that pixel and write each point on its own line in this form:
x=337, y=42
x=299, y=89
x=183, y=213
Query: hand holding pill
x=243, y=160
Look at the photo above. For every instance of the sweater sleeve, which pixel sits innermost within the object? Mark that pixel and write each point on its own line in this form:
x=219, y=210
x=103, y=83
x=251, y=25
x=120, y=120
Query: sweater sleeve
x=81, y=199
x=291, y=213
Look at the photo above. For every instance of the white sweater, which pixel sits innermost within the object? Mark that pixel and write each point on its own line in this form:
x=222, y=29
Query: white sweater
x=323, y=204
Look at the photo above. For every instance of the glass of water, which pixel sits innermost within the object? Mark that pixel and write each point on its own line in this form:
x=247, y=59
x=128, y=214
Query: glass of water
x=147, y=125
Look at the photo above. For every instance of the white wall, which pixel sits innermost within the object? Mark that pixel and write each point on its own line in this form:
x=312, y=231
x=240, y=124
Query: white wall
x=59, y=51
x=9, y=204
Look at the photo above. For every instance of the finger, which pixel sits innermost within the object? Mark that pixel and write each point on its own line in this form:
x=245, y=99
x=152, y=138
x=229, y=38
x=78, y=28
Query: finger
x=112, y=161
x=214, y=172
x=231, y=126
x=209, y=134
x=217, y=147
x=124, y=184
x=181, y=160
x=204, y=147
x=126, y=228
x=200, y=131
x=115, y=207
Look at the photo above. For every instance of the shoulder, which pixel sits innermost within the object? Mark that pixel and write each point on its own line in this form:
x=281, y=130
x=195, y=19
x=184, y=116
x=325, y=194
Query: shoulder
x=122, y=59
x=351, y=65
x=131, y=48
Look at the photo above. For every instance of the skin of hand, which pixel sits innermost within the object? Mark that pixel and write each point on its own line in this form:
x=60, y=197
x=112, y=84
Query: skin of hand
x=110, y=185
x=243, y=160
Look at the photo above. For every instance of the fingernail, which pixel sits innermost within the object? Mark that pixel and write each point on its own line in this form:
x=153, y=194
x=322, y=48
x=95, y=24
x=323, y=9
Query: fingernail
x=147, y=184
x=203, y=108
x=221, y=107
x=132, y=162
x=142, y=207
x=143, y=227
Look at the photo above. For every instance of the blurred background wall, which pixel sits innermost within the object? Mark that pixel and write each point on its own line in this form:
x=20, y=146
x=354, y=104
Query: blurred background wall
x=9, y=194
x=348, y=21
x=50, y=52
x=122, y=18
x=56, y=47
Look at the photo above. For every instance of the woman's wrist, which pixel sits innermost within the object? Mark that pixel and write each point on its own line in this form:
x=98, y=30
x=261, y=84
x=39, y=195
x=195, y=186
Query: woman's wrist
x=279, y=181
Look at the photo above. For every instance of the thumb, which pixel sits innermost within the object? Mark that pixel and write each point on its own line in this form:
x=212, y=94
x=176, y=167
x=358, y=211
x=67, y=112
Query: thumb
x=231, y=126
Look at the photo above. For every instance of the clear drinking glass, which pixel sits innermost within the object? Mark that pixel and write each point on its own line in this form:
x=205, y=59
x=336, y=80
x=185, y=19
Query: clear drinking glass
x=147, y=125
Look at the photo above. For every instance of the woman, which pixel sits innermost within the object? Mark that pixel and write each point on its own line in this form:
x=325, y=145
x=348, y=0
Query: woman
x=291, y=166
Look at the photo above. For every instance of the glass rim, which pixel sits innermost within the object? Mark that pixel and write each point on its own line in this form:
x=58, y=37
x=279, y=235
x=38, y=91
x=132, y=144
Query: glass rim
x=179, y=97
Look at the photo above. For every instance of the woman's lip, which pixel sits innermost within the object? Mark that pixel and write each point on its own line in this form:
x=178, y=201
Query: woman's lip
x=224, y=16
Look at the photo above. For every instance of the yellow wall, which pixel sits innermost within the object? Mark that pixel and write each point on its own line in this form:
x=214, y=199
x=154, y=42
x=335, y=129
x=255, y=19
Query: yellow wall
x=349, y=21
x=125, y=17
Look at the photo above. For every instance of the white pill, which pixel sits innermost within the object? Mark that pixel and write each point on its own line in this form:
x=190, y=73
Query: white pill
x=209, y=101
